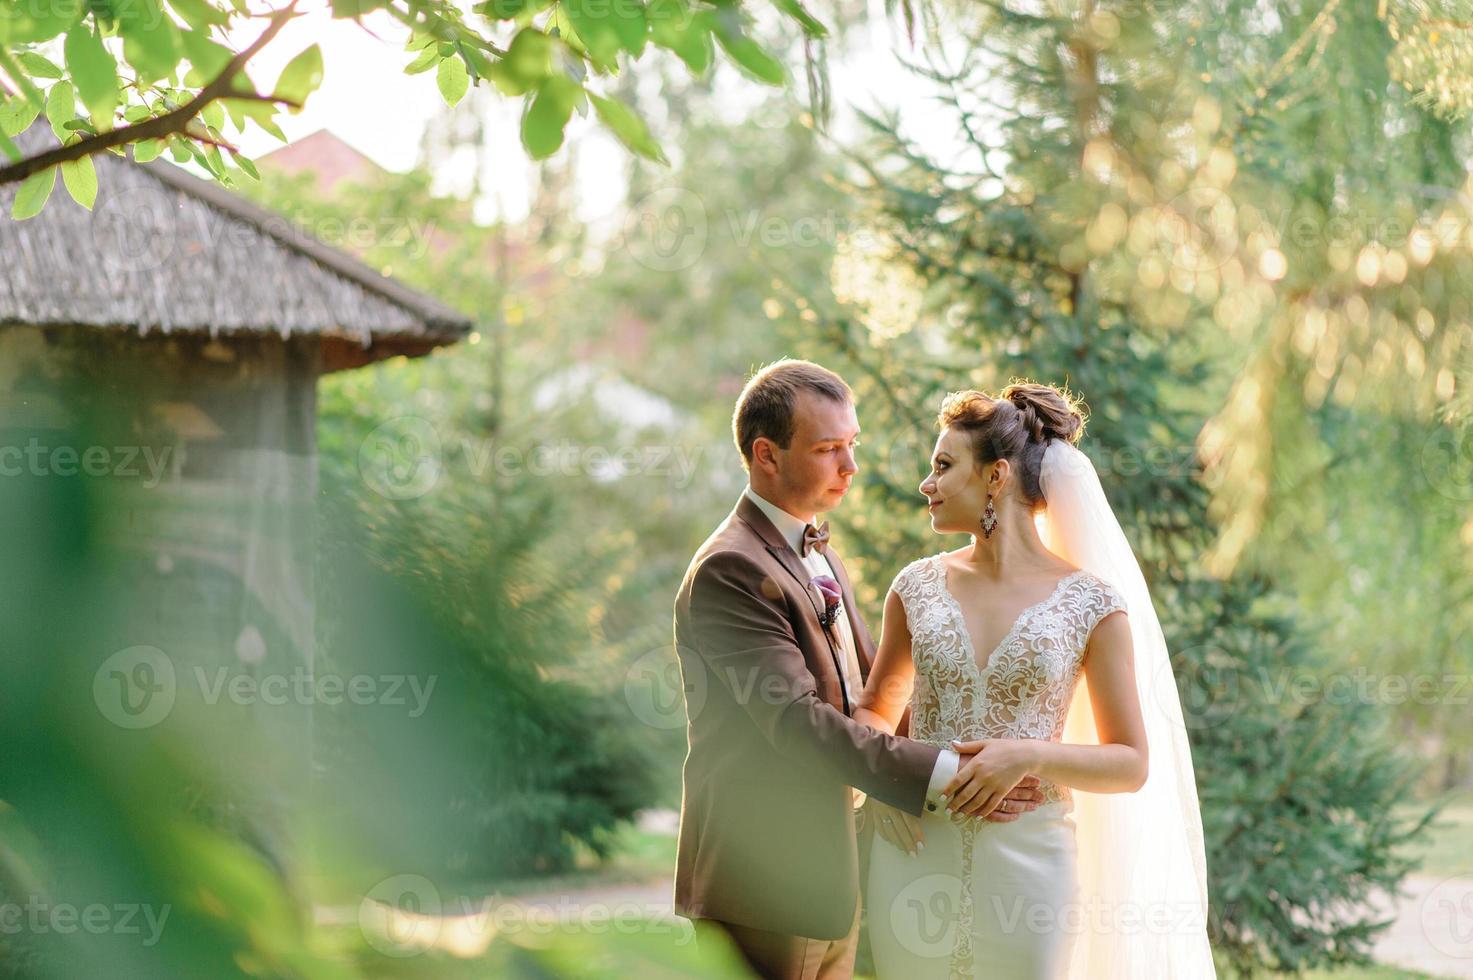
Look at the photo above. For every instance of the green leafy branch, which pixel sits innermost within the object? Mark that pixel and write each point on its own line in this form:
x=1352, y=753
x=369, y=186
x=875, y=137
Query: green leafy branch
x=182, y=81
x=38, y=173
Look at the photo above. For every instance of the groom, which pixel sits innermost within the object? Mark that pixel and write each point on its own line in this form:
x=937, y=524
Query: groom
x=773, y=657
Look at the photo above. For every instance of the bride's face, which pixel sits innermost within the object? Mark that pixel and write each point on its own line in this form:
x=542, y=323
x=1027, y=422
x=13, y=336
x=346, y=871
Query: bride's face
x=955, y=489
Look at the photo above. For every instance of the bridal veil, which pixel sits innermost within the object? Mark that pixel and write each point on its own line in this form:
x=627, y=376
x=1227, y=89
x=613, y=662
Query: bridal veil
x=1142, y=865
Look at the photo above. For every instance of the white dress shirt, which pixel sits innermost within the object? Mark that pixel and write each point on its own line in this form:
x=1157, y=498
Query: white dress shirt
x=817, y=563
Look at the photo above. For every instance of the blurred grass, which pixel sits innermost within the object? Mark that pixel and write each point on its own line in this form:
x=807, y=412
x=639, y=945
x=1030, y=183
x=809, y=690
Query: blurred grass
x=1448, y=846
x=1364, y=973
x=635, y=856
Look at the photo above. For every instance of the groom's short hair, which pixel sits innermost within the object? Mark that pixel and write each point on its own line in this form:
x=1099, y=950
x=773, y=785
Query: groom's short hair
x=768, y=400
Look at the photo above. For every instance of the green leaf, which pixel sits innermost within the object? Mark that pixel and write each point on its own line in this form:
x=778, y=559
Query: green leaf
x=95, y=73
x=547, y=116
x=80, y=178
x=262, y=113
x=146, y=150
x=560, y=26
x=301, y=76
x=355, y=8
x=31, y=197
x=453, y=80
x=426, y=60
x=245, y=163
x=205, y=56
x=502, y=9
x=39, y=67
x=211, y=158
x=61, y=108
x=675, y=27
x=200, y=15
x=527, y=64
x=150, y=40
x=213, y=116
x=630, y=129
x=606, y=26
x=476, y=63
x=749, y=55
x=8, y=147
x=32, y=23
x=16, y=115
x=812, y=26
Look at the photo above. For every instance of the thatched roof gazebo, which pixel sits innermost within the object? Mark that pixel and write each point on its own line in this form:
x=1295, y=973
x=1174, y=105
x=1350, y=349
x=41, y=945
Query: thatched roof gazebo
x=161, y=353
x=165, y=252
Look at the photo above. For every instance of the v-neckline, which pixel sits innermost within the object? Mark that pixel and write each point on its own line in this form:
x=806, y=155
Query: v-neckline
x=966, y=633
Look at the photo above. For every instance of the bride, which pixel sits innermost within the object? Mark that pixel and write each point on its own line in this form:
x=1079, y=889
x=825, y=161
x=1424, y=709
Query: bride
x=1105, y=882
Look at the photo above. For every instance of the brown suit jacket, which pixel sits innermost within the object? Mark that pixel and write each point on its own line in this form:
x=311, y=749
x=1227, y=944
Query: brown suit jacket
x=767, y=835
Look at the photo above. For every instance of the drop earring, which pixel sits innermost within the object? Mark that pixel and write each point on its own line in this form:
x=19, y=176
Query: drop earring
x=989, y=518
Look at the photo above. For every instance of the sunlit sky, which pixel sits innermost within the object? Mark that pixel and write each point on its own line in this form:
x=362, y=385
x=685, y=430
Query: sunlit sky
x=368, y=101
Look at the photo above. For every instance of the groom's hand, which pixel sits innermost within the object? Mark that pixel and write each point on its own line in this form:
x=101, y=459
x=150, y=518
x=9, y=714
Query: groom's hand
x=1024, y=797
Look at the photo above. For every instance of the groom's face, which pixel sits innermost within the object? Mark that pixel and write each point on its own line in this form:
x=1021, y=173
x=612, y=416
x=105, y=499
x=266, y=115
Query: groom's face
x=815, y=471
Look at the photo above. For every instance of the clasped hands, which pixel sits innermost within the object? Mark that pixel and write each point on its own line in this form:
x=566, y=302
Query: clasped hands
x=992, y=782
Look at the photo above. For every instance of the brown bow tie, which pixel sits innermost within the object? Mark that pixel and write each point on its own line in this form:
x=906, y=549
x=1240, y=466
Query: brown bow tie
x=815, y=537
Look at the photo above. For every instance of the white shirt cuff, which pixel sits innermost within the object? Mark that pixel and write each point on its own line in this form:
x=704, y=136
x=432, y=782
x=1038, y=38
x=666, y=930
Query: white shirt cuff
x=947, y=764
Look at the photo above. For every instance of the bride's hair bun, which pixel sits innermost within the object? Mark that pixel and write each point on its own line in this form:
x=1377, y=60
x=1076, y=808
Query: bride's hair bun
x=1016, y=426
x=1045, y=412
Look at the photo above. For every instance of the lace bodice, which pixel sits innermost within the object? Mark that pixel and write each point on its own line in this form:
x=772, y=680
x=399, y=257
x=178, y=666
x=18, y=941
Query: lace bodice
x=1024, y=687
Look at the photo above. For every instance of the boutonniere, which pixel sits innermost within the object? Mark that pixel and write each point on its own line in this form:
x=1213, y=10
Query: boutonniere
x=829, y=591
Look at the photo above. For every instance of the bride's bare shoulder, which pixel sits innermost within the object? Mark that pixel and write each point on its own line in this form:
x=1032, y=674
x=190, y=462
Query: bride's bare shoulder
x=953, y=557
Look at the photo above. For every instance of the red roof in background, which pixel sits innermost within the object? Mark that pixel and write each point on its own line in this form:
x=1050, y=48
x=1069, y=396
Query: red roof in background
x=325, y=155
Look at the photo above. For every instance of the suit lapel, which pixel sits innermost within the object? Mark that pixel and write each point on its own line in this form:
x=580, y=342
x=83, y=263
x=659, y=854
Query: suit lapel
x=752, y=515
x=786, y=556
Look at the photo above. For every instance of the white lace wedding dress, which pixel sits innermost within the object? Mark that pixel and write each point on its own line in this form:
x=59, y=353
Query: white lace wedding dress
x=985, y=899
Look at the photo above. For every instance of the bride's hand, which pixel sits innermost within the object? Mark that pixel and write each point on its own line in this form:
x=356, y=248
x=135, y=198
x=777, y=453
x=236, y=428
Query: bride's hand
x=982, y=782
x=896, y=826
